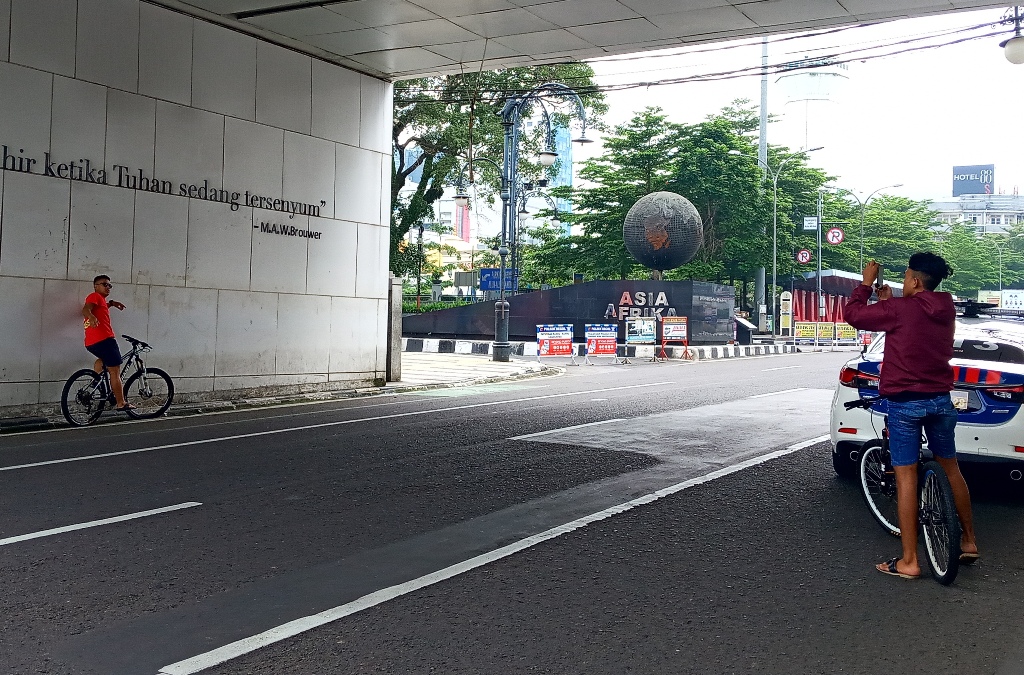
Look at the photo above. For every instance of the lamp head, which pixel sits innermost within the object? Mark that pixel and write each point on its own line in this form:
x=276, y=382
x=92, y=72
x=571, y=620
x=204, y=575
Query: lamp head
x=461, y=199
x=548, y=157
x=1014, y=49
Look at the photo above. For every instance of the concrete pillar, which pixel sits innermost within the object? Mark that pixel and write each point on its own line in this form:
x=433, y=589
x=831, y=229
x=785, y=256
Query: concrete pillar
x=394, y=365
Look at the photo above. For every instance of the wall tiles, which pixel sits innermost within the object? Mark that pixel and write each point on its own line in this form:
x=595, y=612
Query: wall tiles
x=357, y=185
x=134, y=320
x=278, y=260
x=101, y=232
x=165, y=56
x=161, y=239
x=223, y=71
x=183, y=331
x=331, y=266
x=189, y=145
x=283, y=88
x=309, y=171
x=219, y=244
x=246, y=333
x=131, y=134
x=374, y=129
x=353, y=335
x=371, y=266
x=18, y=393
x=38, y=246
x=382, y=336
x=5, y=30
x=336, y=103
x=20, y=340
x=79, y=118
x=62, y=334
x=251, y=152
x=43, y=35
x=303, y=334
x=25, y=97
x=107, y=49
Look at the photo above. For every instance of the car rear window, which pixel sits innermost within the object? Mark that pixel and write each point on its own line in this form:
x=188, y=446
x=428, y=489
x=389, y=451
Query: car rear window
x=982, y=350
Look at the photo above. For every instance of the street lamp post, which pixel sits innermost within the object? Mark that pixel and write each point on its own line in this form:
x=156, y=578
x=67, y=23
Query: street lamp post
x=775, y=225
x=511, y=115
x=863, y=204
x=419, y=270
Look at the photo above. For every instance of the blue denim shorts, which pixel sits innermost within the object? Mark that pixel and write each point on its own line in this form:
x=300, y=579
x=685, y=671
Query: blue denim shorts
x=936, y=416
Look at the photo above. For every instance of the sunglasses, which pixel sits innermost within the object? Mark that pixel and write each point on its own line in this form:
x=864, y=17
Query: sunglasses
x=105, y=284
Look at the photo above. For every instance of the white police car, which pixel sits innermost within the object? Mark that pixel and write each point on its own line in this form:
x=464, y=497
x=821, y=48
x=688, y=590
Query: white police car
x=988, y=366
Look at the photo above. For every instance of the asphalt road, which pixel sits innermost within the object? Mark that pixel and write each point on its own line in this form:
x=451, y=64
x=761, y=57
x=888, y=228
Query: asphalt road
x=453, y=531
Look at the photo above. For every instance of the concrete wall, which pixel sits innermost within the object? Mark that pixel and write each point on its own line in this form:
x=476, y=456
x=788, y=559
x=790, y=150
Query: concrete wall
x=181, y=104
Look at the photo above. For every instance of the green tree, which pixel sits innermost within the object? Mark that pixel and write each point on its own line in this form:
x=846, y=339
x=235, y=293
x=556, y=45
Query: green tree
x=974, y=262
x=449, y=118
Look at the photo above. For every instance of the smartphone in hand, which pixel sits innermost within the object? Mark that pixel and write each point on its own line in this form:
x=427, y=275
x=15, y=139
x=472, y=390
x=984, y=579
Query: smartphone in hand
x=878, y=280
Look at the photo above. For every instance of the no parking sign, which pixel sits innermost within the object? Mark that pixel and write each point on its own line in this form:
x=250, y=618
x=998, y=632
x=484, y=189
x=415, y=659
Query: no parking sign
x=803, y=256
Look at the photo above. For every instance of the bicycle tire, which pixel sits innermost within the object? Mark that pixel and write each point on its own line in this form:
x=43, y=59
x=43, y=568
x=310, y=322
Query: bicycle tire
x=878, y=486
x=151, y=403
x=78, y=410
x=939, y=523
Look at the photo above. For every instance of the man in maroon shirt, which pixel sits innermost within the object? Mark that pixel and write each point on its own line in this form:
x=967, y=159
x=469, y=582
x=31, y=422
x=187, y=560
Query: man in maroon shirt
x=916, y=379
x=99, y=336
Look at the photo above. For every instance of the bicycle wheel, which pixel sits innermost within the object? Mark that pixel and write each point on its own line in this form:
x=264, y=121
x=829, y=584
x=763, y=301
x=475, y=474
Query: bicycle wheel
x=878, y=484
x=940, y=523
x=82, y=400
x=151, y=393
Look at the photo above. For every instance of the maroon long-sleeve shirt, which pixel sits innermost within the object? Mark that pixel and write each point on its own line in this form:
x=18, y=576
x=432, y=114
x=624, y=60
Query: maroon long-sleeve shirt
x=918, y=339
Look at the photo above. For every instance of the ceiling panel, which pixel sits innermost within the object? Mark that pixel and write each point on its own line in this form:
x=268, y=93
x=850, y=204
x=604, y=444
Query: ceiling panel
x=395, y=39
x=509, y=22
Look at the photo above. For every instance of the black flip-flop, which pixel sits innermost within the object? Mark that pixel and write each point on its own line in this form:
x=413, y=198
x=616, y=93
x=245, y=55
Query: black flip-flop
x=890, y=569
x=125, y=408
x=969, y=558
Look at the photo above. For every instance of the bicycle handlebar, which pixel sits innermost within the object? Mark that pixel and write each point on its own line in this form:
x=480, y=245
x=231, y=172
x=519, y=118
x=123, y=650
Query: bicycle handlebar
x=862, y=403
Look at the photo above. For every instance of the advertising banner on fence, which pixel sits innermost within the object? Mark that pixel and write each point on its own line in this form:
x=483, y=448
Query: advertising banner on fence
x=803, y=331
x=554, y=339
x=641, y=330
x=674, y=329
x=846, y=333
x=602, y=338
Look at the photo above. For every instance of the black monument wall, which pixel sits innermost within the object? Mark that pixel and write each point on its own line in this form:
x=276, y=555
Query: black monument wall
x=709, y=308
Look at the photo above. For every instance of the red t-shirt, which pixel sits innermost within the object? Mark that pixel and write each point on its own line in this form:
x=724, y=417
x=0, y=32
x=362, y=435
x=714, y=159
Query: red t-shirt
x=94, y=334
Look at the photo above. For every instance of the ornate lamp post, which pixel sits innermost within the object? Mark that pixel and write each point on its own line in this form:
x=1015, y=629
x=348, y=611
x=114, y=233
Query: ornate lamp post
x=774, y=174
x=863, y=204
x=511, y=116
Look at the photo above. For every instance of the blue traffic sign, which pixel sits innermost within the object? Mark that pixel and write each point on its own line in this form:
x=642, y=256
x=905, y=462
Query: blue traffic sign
x=490, y=279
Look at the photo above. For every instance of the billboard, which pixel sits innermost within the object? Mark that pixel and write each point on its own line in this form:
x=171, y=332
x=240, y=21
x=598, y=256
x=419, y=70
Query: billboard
x=977, y=179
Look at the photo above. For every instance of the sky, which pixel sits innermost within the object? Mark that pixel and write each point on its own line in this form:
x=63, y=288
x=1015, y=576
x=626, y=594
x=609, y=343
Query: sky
x=906, y=118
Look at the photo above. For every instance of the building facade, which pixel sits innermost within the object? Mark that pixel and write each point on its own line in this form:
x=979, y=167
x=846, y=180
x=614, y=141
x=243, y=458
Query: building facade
x=988, y=214
x=235, y=192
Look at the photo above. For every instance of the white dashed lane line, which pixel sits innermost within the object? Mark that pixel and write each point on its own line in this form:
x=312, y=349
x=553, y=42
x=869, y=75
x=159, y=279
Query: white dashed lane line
x=96, y=523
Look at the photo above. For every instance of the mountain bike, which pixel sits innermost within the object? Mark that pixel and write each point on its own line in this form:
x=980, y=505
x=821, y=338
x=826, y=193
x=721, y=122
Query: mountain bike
x=87, y=393
x=940, y=524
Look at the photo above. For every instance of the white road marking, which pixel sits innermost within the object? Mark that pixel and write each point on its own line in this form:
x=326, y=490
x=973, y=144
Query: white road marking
x=233, y=650
x=776, y=393
x=327, y=424
x=96, y=523
x=555, y=431
x=768, y=370
x=595, y=400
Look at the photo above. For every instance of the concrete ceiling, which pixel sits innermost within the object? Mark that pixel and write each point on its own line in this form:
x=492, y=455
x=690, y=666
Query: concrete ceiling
x=400, y=39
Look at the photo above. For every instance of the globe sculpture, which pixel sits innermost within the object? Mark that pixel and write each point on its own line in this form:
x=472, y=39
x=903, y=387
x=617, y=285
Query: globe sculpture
x=663, y=230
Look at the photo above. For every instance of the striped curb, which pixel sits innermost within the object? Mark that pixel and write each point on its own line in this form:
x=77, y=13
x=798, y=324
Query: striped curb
x=443, y=346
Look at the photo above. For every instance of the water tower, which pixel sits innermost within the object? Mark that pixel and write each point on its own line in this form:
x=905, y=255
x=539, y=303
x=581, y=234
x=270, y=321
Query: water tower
x=810, y=87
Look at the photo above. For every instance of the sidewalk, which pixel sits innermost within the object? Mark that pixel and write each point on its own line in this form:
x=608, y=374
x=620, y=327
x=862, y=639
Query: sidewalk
x=419, y=371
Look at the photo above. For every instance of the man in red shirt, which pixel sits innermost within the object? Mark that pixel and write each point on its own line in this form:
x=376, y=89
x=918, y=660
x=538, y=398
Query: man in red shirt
x=916, y=379
x=99, y=336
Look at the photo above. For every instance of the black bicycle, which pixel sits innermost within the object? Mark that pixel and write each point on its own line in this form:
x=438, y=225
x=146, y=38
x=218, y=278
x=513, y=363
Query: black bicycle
x=940, y=524
x=87, y=393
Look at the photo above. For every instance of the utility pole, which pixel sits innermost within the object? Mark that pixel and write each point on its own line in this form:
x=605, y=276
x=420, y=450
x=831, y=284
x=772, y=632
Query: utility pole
x=762, y=155
x=821, y=300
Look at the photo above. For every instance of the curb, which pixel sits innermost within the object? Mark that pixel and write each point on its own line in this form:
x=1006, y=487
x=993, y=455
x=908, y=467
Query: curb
x=447, y=346
x=19, y=424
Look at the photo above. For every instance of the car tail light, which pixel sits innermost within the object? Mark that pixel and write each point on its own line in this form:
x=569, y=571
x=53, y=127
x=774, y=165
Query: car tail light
x=1017, y=448
x=1010, y=394
x=851, y=377
x=846, y=430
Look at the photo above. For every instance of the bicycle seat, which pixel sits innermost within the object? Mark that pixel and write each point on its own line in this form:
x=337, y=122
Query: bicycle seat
x=132, y=340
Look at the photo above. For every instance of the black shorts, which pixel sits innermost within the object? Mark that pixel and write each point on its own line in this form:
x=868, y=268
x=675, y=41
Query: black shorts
x=106, y=351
